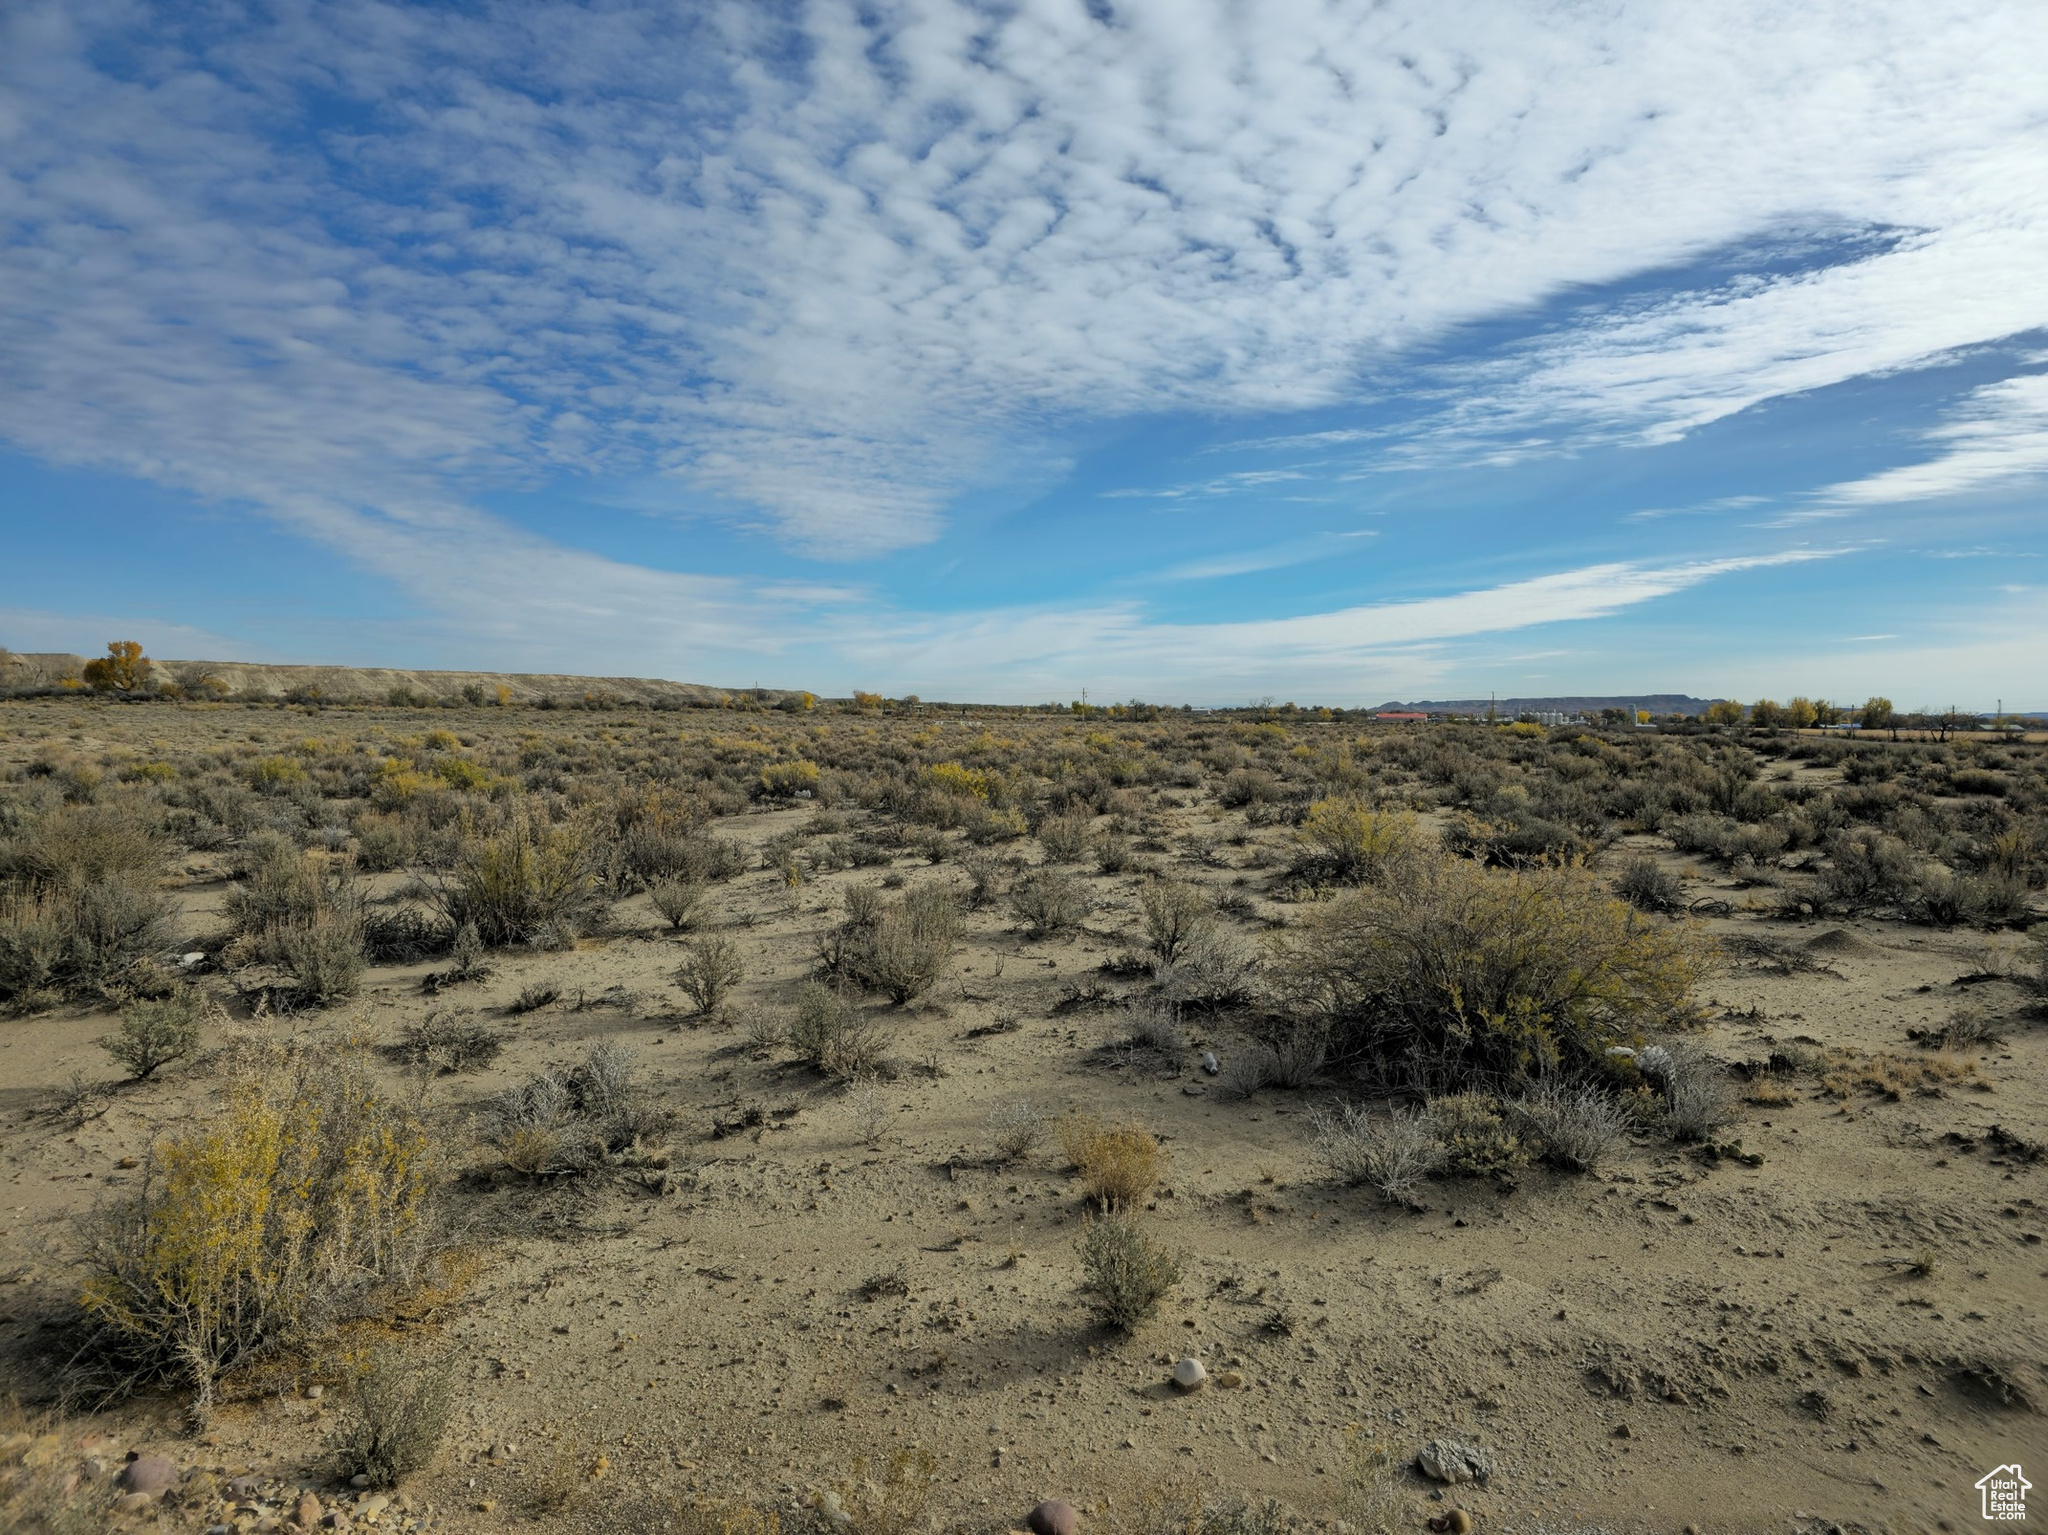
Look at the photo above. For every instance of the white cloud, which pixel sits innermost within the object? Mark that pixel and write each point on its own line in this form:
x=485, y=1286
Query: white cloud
x=354, y=264
x=839, y=267
x=1998, y=435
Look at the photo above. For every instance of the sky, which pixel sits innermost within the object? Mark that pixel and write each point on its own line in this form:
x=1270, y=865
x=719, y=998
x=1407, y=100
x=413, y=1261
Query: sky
x=1192, y=350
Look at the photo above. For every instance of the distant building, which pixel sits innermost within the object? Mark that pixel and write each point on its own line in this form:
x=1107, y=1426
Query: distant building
x=1402, y=717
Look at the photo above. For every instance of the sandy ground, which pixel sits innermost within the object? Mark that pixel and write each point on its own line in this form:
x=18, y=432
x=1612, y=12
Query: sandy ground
x=1671, y=1342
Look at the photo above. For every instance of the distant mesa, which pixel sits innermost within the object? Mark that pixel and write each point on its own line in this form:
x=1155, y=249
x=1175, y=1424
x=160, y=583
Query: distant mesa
x=382, y=684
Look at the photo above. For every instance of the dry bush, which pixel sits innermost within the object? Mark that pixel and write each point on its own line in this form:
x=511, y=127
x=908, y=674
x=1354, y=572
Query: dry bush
x=1844, y=1073
x=677, y=900
x=1014, y=1128
x=1648, y=887
x=448, y=1042
x=831, y=1033
x=1346, y=843
x=1215, y=970
x=1177, y=916
x=1119, y=1164
x=1693, y=1087
x=1468, y=976
x=1049, y=901
x=523, y=881
x=396, y=1415
x=1577, y=1127
x=1154, y=1027
x=1476, y=1139
x=1128, y=1273
x=904, y=947
x=154, y=1033
x=300, y=1196
x=324, y=957
x=711, y=968
x=1390, y=1153
x=1064, y=838
x=74, y=846
x=867, y=1104
x=984, y=872
x=93, y=940
x=558, y=1123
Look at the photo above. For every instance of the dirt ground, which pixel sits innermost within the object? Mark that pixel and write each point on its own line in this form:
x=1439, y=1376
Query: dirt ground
x=1837, y=1320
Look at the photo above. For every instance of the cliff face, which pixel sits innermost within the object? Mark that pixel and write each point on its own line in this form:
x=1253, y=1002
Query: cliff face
x=376, y=684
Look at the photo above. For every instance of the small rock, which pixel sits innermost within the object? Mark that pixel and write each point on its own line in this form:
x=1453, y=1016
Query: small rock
x=1453, y=1462
x=1455, y=1520
x=373, y=1505
x=306, y=1513
x=1190, y=1374
x=196, y=957
x=1053, y=1517
x=132, y=1502
x=242, y=1487
x=1209, y=1063
x=1623, y=1431
x=360, y=1479
x=151, y=1475
x=834, y=1511
x=315, y=1392
x=1229, y=1380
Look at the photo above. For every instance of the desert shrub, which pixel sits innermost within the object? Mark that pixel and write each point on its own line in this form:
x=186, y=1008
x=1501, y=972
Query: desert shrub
x=1014, y=1128
x=383, y=842
x=534, y=996
x=831, y=1033
x=565, y=1122
x=1576, y=1126
x=1118, y=1164
x=1114, y=854
x=903, y=947
x=786, y=780
x=447, y=1041
x=1127, y=1272
x=711, y=968
x=984, y=872
x=154, y=1033
x=74, y=846
x=1390, y=1153
x=1346, y=843
x=677, y=900
x=1512, y=834
x=1154, y=1026
x=1245, y=1071
x=653, y=852
x=1177, y=915
x=1866, y=869
x=89, y=940
x=1064, y=838
x=304, y=1192
x=525, y=879
x=1465, y=976
x=1249, y=786
x=1647, y=887
x=1049, y=901
x=1946, y=899
x=324, y=956
x=1694, y=1089
x=1216, y=970
x=1476, y=1140
x=399, y=935
x=396, y=1415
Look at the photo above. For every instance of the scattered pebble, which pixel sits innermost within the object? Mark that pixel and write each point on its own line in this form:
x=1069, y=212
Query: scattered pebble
x=1190, y=1374
x=149, y=1475
x=1054, y=1517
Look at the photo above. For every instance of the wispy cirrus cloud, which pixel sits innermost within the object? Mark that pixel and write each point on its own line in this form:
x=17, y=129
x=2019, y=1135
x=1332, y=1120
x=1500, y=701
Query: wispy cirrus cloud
x=355, y=265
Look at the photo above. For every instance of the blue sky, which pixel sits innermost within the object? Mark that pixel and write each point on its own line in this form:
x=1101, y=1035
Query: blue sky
x=1186, y=350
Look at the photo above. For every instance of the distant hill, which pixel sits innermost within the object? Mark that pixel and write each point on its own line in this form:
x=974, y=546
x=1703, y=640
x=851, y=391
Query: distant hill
x=376, y=684
x=1656, y=703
